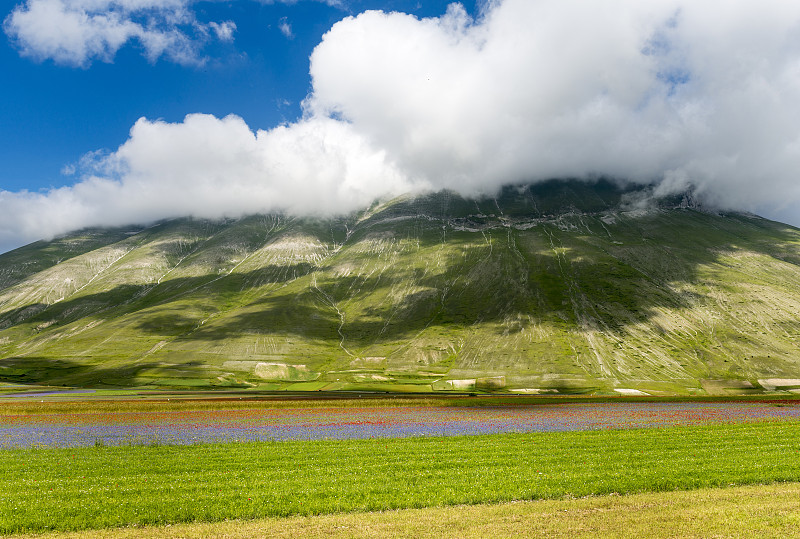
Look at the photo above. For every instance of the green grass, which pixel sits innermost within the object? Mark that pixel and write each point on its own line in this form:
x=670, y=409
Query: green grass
x=764, y=511
x=98, y=487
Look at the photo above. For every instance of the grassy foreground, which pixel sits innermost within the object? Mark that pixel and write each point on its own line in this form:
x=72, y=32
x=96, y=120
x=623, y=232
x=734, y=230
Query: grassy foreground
x=763, y=511
x=100, y=487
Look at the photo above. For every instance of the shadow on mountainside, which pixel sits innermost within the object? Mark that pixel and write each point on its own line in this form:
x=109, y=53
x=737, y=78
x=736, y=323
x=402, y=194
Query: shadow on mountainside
x=579, y=278
x=578, y=270
x=68, y=372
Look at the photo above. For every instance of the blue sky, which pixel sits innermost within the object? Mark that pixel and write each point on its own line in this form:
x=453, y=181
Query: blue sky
x=118, y=112
x=55, y=113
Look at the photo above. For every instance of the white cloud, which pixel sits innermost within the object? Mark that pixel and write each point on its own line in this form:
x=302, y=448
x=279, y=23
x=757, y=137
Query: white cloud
x=549, y=88
x=223, y=30
x=673, y=91
x=210, y=167
x=77, y=32
x=285, y=28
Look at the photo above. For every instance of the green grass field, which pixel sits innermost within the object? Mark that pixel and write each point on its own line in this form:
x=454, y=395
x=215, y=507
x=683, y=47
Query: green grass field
x=103, y=487
x=764, y=511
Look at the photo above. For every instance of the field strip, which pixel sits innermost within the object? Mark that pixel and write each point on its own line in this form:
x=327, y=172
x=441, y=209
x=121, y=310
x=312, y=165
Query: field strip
x=74, y=489
x=179, y=427
x=752, y=511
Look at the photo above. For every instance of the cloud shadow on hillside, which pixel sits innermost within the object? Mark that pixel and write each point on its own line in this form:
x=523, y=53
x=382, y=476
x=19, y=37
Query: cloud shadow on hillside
x=606, y=275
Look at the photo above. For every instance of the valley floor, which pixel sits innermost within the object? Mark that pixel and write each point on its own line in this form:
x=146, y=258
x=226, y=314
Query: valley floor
x=750, y=511
x=733, y=478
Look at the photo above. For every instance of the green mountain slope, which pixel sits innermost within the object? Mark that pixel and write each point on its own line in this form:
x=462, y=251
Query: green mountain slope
x=564, y=286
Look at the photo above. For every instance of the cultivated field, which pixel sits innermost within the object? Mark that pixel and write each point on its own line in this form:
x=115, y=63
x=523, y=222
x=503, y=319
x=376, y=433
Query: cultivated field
x=189, y=422
x=765, y=511
x=442, y=478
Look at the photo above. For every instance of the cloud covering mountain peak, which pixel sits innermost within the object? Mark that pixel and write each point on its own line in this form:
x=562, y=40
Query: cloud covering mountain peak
x=668, y=91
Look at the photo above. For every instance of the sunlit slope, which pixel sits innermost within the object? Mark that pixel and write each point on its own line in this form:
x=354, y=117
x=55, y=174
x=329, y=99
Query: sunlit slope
x=561, y=287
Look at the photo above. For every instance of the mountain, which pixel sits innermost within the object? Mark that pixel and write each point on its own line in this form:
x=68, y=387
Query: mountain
x=564, y=286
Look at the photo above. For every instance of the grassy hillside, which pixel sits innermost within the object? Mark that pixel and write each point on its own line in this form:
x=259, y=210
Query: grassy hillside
x=560, y=287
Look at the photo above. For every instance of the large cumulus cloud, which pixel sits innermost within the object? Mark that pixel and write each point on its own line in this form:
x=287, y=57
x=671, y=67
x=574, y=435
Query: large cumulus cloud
x=210, y=167
x=687, y=94
x=686, y=91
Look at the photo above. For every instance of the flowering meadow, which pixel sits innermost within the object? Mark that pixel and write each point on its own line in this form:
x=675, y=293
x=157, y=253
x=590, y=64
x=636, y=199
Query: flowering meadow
x=279, y=424
x=84, y=488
